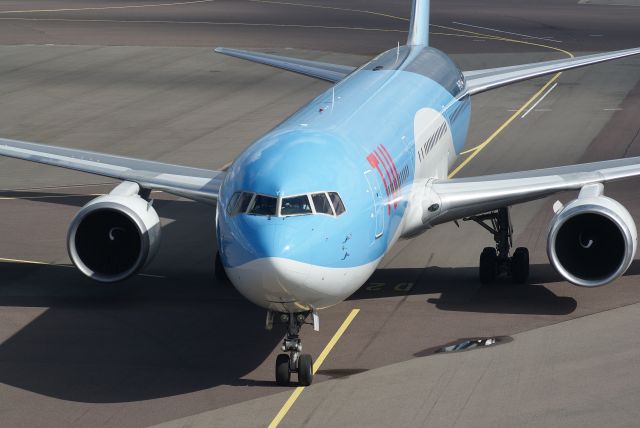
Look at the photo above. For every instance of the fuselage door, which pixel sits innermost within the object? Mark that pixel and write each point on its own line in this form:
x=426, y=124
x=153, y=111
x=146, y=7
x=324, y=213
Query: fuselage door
x=377, y=199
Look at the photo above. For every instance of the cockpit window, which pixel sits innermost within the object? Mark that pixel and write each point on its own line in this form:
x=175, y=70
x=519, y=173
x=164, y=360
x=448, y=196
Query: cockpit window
x=296, y=205
x=245, y=200
x=328, y=203
x=338, y=206
x=321, y=203
x=233, y=201
x=264, y=205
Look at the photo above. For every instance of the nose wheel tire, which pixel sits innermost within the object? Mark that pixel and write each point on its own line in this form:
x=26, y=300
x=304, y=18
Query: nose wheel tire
x=305, y=370
x=295, y=361
x=283, y=373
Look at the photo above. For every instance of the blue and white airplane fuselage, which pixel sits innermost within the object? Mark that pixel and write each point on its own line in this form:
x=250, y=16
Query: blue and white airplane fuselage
x=396, y=120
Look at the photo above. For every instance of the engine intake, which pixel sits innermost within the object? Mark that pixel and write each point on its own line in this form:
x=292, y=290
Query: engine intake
x=115, y=235
x=592, y=241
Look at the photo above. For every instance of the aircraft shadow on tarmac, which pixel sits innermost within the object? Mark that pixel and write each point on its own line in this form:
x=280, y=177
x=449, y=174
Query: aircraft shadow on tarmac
x=175, y=332
x=459, y=290
x=181, y=330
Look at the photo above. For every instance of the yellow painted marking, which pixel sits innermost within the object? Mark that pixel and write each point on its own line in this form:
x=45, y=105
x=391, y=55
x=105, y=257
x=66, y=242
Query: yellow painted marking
x=369, y=12
x=502, y=127
x=239, y=24
x=79, y=195
x=323, y=355
x=106, y=7
x=477, y=149
x=506, y=39
x=33, y=262
x=27, y=198
x=33, y=189
x=27, y=262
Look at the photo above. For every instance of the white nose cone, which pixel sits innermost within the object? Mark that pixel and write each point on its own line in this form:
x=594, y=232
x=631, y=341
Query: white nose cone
x=286, y=285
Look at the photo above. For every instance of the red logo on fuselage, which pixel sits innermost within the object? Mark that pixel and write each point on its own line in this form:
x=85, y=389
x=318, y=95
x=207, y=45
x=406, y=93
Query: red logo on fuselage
x=381, y=156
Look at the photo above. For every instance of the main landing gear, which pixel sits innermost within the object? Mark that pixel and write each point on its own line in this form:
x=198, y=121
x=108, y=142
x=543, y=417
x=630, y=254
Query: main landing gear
x=496, y=261
x=293, y=361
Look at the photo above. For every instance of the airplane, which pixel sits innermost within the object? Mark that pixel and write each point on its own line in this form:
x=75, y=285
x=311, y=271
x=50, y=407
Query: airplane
x=305, y=214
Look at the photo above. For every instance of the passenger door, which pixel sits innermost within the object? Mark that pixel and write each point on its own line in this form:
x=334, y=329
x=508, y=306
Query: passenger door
x=377, y=199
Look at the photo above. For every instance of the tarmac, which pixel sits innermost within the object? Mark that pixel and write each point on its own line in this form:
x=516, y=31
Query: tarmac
x=174, y=346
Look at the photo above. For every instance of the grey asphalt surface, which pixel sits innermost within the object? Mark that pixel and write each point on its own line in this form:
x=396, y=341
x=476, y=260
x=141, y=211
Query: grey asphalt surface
x=174, y=342
x=528, y=380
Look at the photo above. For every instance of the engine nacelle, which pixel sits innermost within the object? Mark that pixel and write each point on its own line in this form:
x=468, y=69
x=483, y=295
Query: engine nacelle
x=115, y=235
x=592, y=240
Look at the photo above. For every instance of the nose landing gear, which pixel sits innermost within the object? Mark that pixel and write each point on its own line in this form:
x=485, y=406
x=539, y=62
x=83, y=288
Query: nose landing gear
x=294, y=361
x=496, y=261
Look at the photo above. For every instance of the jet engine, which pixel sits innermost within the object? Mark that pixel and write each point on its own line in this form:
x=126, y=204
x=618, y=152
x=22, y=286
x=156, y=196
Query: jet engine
x=115, y=235
x=592, y=240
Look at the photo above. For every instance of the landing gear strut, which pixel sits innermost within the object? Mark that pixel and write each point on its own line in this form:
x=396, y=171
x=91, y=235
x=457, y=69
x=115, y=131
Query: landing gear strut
x=294, y=361
x=496, y=261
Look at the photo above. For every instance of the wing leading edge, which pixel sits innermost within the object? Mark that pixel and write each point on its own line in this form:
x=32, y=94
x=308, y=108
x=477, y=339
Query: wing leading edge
x=320, y=70
x=192, y=183
x=463, y=197
x=478, y=81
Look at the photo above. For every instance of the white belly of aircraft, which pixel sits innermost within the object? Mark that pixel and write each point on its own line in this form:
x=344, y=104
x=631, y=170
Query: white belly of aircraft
x=286, y=285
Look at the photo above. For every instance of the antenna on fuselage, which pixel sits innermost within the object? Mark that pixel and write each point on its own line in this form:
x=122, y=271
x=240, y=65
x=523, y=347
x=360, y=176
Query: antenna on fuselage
x=419, y=26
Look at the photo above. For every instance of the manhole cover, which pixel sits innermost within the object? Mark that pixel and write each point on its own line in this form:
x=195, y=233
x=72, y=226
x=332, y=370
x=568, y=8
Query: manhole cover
x=467, y=344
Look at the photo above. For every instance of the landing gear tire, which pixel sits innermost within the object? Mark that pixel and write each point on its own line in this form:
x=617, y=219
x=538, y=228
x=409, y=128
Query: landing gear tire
x=305, y=370
x=496, y=261
x=294, y=361
x=283, y=373
x=488, y=265
x=221, y=274
x=520, y=265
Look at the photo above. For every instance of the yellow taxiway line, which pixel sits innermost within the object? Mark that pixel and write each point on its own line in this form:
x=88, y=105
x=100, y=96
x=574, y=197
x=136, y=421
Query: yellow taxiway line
x=474, y=152
x=323, y=355
x=34, y=262
x=27, y=262
x=71, y=195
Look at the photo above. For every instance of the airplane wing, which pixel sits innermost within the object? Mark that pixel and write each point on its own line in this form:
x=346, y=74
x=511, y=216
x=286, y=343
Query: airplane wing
x=192, y=183
x=320, y=70
x=478, y=81
x=462, y=197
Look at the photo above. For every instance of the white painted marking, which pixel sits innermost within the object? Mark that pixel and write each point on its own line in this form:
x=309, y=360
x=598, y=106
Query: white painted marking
x=548, y=39
x=539, y=100
x=613, y=109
